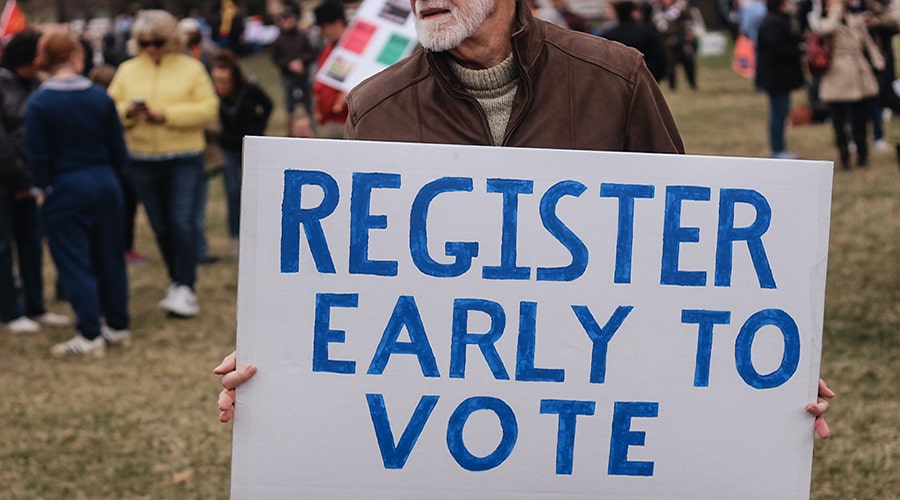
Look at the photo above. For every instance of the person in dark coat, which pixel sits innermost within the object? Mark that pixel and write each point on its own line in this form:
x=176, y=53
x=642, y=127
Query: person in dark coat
x=779, y=68
x=640, y=35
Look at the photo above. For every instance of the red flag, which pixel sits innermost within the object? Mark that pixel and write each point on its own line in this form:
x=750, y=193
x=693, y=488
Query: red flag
x=12, y=20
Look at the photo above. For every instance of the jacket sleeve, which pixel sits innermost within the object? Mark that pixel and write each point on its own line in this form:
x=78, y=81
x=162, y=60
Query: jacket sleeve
x=201, y=106
x=650, y=126
x=829, y=23
x=37, y=146
x=13, y=171
x=117, y=91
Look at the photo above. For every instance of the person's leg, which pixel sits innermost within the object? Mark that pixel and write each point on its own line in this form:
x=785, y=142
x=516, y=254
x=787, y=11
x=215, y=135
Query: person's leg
x=232, y=177
x=690, y=65
x=148, y=178
x=200, y=220
x=838, y=111
x=129, y=200
x=779, y=105
x=31, y=255
x=68, y=226
x=10, y=308
x=877, y=122
x=860, y=112
x=108, y=243
x=671, y=62
x=287, y=85
x=183, y=188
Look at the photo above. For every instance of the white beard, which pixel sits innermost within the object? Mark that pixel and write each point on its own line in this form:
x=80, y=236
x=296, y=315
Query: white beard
x=449, y=31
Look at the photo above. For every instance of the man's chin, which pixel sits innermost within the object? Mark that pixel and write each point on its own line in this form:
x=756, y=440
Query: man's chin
x=438, y=40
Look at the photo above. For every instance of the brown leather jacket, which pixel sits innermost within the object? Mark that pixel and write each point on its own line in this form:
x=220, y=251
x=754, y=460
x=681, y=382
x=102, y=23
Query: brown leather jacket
x=576, y=91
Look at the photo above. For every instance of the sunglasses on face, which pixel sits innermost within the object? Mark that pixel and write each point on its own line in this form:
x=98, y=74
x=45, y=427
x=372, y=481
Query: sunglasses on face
x=156, y=43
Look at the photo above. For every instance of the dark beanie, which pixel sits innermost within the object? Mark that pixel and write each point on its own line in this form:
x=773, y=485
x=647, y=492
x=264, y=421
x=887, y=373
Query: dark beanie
x=329, y=11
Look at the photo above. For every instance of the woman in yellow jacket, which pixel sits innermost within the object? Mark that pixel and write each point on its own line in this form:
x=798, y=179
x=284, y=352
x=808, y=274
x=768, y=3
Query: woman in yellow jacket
x=165, y=100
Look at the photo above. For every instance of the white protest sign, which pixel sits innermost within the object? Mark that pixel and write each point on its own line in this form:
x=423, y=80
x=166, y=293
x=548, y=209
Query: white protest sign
x=434, y=321
x=381, y=33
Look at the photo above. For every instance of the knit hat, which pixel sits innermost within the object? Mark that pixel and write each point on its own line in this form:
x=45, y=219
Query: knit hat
x=329, y=11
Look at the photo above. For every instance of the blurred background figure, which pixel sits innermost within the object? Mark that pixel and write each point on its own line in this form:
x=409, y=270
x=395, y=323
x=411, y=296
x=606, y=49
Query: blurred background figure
x=632, y=31
x=293, y=53
x=166, y=99
x=244, y=109
x=75, y=147
x=849, y=86
x=201, y=49
x=195, y=45
x=750, y=15
x=331, y=104
x=676, y=27
x=779, y=68
x=573, y=21
x=19, y=226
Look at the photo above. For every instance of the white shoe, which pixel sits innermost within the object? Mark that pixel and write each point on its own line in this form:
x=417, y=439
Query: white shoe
x=882, y=145
x=23, y=324
x=79, y=346
x=170, y=293
x=53, y=319
x=115, y=337
x=181, y=301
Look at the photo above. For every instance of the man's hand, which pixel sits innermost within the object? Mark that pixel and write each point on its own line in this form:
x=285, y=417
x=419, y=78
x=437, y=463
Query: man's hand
x=231, y=378
x=818, y=409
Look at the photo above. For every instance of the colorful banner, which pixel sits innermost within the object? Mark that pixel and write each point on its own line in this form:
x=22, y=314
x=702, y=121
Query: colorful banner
x=381, y=33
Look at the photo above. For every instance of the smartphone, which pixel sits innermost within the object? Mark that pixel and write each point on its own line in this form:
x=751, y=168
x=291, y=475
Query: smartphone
x=139, y=102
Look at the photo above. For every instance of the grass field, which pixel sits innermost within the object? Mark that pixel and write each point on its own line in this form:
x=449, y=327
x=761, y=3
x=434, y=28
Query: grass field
x=141, y=423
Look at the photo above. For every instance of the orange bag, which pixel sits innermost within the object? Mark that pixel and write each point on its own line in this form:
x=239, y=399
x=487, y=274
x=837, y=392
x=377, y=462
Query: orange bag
x=744, y=60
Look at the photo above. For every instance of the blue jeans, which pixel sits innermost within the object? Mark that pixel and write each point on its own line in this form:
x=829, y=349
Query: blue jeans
x=170, y=193
x=19, y=227
x=202, y=248
x=779, y=105
x=233, y=191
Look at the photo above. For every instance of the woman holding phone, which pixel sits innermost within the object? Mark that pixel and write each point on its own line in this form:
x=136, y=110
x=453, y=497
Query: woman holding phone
x=165, y=99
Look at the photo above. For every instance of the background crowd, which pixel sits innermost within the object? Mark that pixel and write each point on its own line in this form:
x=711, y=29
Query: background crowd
x=179, y=104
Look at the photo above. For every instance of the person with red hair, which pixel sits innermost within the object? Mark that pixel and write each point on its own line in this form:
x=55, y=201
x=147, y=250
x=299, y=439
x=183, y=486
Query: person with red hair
x=76, y=147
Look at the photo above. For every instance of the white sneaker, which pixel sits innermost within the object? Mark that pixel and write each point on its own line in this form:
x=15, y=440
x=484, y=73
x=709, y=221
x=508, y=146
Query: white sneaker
x=170, y=293
x=115, y=337
x=882, y=145
x=53, y=319
x=181, y=301
x=23, y=324
x=79, y=346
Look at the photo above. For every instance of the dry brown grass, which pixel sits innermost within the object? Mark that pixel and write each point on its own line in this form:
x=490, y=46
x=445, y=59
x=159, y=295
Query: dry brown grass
x=141, y=423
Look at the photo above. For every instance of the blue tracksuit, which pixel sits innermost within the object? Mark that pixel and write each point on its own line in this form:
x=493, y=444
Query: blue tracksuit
x=76, y=147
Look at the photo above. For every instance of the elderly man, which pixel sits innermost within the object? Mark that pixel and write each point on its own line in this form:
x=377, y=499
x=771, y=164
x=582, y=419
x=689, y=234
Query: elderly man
x=491, y=74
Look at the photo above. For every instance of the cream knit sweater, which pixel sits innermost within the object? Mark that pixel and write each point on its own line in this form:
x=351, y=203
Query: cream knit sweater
x=494, y=88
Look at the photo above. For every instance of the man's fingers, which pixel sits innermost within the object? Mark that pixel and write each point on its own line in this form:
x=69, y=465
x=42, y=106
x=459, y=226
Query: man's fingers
x=819, y=408
x=226, y=415
x=233, y=379
x=824, y=391
x=822, y=429
x=227, y=364
x=226, y=399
